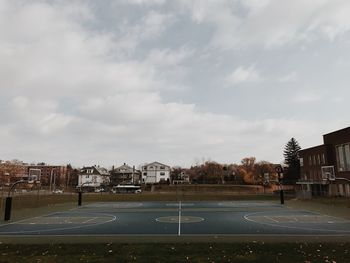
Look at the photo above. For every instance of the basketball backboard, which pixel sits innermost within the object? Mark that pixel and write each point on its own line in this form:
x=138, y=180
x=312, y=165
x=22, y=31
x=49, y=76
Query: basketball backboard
x=328, y=173
x=34, y=175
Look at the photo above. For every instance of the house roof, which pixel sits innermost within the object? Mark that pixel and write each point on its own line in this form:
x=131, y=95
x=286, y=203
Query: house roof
x=97, y=169
x=102, y=171
x=125, y=168
x=157, y=163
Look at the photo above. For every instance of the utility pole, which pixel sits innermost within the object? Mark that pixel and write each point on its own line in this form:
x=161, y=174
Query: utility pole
x=279, y=171
x=54, y=180
x=51, y=179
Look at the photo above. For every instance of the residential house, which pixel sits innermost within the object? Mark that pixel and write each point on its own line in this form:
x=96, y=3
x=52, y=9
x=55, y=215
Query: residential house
x=125, y=174
x=181, y=178
x=155, y=173
x=93, y=177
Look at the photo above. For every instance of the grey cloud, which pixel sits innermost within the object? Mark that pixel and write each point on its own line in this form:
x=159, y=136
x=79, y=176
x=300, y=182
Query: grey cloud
x=78, y=88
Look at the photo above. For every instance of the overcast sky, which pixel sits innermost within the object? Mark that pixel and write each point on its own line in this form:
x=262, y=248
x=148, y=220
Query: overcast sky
x=177, y=81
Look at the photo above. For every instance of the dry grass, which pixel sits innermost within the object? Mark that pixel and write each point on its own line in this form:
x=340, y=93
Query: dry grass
x=178, y=252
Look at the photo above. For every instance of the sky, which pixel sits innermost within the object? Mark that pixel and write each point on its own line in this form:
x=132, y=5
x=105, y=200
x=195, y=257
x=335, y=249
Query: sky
x=175, y=81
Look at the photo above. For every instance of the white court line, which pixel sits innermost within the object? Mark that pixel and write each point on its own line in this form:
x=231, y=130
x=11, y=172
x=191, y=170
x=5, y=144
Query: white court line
x=270, y=218
x=113, y=218
x=246, y=217
x=89, y=220
x=26, y=219
x=179, y=232
x=30, y=221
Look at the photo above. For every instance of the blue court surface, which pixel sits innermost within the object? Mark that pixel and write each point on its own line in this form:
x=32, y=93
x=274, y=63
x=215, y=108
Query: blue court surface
x=214, y=218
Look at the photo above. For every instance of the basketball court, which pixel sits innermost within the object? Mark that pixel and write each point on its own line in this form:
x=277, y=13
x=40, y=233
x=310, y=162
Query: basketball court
x=214, y=218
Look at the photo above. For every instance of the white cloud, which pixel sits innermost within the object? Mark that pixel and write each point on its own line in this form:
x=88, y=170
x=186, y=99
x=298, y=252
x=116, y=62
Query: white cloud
x=291, y=77
x=308, y=97
x=271, y=23
x=144, y=2
x=150, y=26
x=243, y=75
x=154, y=23
x=168, y=57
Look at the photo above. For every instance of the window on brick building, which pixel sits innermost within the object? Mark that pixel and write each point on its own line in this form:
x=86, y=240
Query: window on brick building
x=343, y=157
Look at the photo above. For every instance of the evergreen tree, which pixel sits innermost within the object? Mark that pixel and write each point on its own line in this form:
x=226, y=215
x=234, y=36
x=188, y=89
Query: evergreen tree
x=291, y=158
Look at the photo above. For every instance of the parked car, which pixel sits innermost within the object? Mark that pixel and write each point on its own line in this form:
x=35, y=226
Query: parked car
x=57, y=191
x=99, y=190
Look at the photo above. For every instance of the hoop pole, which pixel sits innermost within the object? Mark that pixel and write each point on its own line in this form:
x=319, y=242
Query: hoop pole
x=8, y=203
x=13, y=186
x=80, y=193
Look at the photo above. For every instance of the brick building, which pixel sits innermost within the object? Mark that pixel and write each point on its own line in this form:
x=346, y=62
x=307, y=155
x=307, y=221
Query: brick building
x=51, y=175
x=325, y=169
x=12, y=171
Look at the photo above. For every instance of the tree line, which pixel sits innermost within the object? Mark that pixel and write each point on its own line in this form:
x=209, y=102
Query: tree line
x=248, y=171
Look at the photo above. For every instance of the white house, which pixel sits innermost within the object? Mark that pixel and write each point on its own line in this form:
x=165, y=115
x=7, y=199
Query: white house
x=93, y=176
x=155, y=172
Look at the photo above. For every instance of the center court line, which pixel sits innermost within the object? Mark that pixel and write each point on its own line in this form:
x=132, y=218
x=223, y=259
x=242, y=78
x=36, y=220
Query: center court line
x=179, y=231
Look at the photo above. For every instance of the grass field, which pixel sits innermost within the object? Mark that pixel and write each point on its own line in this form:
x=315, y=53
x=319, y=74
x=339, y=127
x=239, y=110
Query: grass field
x=178, y=252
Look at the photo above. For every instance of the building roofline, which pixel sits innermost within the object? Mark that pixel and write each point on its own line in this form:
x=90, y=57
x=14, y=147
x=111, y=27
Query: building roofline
x=336, y=131
x=157, y=163
x=313, y=147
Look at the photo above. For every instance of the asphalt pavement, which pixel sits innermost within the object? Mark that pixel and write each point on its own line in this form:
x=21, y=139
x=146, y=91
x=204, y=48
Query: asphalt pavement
x=215, y=218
